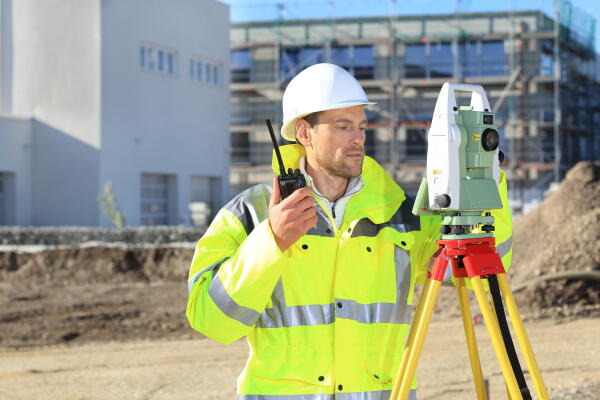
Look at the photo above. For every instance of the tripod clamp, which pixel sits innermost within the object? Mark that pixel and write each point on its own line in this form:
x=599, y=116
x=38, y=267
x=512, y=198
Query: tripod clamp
x=468, y=257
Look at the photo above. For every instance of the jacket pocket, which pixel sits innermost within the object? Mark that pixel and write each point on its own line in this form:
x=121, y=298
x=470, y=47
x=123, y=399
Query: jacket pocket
x=380, y=368
x=293, y=366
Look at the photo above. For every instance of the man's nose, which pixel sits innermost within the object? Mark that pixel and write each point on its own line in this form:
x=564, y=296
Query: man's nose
x=358, y=137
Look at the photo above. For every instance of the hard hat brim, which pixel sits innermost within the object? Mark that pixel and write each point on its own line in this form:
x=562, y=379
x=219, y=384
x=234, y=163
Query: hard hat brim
x=288, y=130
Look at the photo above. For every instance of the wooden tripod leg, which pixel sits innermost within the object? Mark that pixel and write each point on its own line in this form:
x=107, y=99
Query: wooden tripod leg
x=410, y=358
x=517, y=322
x=494, y=331
x=467, y=318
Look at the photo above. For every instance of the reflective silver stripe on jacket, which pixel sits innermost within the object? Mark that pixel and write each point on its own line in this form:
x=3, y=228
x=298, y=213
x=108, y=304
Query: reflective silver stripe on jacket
x=402, y=266
x=504, y=247
x=197, y=275
x=313, y=314
x=375, y=395
x=228, y=306
x=281, y=315
x=373, y=313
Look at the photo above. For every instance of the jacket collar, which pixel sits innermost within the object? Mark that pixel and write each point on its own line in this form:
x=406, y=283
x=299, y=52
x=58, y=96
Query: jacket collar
x=378, y=200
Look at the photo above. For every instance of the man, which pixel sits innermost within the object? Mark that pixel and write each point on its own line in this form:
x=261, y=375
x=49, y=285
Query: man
x=321, y=283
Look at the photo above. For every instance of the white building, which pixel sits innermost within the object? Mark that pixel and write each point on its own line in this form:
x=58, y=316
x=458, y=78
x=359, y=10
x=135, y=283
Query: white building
x=133, y=92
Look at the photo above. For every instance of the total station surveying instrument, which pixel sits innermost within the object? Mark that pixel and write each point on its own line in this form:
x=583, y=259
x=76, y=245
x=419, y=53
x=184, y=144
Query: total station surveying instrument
x=461, y=186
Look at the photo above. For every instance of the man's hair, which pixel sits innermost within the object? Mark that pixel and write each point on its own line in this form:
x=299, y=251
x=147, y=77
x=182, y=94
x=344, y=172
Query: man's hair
x=312, y=119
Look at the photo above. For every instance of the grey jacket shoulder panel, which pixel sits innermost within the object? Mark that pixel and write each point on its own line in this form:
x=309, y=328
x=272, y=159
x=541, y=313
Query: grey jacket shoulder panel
x=251, y=206
x=402, y=221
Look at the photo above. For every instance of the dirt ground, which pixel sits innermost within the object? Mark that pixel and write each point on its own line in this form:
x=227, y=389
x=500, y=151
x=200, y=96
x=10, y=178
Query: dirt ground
x=568, y=354
x=50, y=315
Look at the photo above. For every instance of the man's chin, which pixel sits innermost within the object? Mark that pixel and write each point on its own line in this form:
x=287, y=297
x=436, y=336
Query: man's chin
x=354, y=170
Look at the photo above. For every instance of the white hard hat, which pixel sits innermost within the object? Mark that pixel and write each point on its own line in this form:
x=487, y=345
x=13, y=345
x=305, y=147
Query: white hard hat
x=319, y=87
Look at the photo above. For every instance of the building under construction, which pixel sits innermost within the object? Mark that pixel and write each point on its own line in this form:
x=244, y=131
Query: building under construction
x=540, y=77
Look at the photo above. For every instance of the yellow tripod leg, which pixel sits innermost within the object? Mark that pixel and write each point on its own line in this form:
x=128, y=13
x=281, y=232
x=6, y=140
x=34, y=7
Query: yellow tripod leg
x=494, y=331
x=417, y=317
x=467, y=318
x=517, y=322
x=413, y=348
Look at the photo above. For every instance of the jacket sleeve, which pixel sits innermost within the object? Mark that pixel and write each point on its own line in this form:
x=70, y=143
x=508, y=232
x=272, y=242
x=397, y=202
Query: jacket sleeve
x=231, y=278
x=429, y=233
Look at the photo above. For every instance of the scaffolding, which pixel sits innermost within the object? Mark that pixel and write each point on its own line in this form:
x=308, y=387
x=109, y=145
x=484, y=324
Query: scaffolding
x=540, y=76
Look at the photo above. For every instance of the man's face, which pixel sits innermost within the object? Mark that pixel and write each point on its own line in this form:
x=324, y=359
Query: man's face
x=337, y=142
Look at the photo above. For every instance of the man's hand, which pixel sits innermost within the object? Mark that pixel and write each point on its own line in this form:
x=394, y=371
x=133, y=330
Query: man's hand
x=293, y=217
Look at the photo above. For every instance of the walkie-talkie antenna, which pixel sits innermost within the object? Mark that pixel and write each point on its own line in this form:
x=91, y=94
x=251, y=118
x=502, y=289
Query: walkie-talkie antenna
x=276, y=146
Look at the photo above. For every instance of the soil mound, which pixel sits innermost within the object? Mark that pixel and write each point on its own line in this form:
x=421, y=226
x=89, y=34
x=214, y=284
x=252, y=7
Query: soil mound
x=561, y=235
x=77, y=294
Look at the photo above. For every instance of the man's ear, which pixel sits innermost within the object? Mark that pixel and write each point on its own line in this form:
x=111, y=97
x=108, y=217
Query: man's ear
x=303, y=133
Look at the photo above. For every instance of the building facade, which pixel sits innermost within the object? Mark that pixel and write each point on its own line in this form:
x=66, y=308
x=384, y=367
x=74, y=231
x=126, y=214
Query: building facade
x=134, y=93
x=540, y=78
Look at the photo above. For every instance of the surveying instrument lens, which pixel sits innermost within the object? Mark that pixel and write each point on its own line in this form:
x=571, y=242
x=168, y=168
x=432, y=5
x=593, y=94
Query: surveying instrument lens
x=490, y=139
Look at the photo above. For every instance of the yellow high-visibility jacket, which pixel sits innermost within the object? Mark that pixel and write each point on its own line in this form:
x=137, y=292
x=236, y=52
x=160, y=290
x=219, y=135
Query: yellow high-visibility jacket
x=327, y=318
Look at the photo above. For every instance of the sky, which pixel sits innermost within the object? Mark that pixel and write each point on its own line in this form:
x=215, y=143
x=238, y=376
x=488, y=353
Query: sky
x=260, y=10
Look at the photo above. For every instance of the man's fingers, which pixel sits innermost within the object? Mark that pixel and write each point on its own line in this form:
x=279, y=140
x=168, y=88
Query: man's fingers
x=276, y=194
x=299, y=194
x=305, y=204
x=308, y=215
x=310, y=221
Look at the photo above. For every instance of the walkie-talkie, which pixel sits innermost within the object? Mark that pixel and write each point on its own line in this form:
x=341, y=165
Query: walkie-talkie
x=291, y=181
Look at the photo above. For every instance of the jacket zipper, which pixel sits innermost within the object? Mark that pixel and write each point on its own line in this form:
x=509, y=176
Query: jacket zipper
x=331, y=220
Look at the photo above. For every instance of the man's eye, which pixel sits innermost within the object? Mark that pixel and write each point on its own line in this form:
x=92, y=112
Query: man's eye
x=344, y=127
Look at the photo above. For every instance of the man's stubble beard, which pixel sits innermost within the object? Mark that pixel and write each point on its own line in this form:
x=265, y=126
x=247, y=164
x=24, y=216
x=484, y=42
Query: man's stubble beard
x=340, y=168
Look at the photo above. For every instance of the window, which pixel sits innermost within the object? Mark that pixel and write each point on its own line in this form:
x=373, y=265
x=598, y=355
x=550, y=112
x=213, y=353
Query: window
x=207, y=72
x=170, y=58
x=7, y=198
x=370, y=143
x=240, y=66
x=205, y=198
x=433, y=60
x=416, y=143
x=363, y=62
x=440, y=60
x=468, y=53
x=358, y=60
x=436, y=60
x=156, y=199
x=547, y=58
x=493, y=59
x=482, y=58
x=340, y=55
x=157, y=59
x=240, y=147
x=296, y=58
x=415, y=63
